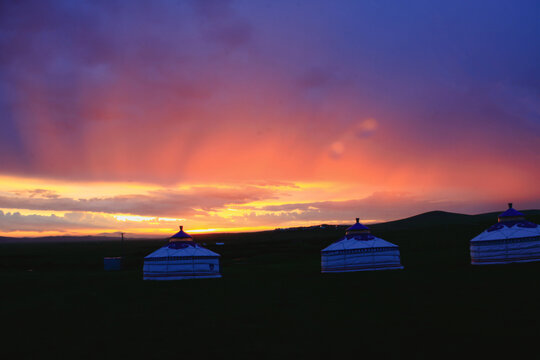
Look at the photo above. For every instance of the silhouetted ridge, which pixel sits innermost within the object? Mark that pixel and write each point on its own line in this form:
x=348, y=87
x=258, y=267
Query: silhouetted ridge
x=431, y=218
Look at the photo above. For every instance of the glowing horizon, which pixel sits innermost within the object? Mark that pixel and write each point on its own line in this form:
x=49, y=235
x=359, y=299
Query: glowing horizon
x=50, y=210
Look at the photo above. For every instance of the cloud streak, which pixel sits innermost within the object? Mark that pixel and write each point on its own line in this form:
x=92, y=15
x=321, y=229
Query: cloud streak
x=15, y=221
x=166, y=203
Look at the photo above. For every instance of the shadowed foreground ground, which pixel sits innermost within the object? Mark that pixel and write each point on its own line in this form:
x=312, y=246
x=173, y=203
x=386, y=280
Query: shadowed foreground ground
x=272, y=301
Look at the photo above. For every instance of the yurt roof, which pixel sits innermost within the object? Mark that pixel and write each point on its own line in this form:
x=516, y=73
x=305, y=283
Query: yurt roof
x=357, y=226
x=511, y=212
x=511, y=225
x=510, y=230
x=358, y=242
x=184, y=249
x=181, y=235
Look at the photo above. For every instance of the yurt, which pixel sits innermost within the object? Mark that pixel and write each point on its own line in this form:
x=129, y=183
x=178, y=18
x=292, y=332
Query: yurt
x=359, y=250
x=182, y=258
x=512, y=239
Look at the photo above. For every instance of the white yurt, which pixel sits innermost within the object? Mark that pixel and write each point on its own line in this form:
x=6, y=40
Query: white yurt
x=182, y=258
x=512, y=239
x=360, y=251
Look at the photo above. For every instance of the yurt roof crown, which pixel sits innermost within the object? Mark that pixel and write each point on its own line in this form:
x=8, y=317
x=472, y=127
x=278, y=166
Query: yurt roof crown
x=510, y=218
x=357, y=228
x=181, y=240
x=358, y=231
x=181, y=236
x=511, y=214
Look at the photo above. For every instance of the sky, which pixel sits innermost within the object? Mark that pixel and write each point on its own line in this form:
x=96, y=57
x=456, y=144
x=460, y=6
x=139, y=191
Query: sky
x=242, y=115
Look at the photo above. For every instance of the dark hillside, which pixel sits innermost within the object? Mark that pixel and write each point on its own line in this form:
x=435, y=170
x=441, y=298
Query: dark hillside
x=427, y=219
x=272, y=301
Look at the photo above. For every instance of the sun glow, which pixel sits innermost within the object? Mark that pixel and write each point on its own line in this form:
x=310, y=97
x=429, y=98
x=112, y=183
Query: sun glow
x=134, y=218
x=170, y=219
x=80, y=190
x=46, y=196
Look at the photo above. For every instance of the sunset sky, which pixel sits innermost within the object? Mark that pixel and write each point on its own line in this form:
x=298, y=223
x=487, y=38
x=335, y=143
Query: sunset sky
x=139, y=116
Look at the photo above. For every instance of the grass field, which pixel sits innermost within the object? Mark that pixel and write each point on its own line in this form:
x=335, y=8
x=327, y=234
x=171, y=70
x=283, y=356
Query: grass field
x=272, y=302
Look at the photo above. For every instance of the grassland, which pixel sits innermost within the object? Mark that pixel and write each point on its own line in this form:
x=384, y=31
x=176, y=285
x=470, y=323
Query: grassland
x=272, y=302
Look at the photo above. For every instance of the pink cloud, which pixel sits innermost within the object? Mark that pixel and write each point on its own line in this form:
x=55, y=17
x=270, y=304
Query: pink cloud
x=167, y=203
